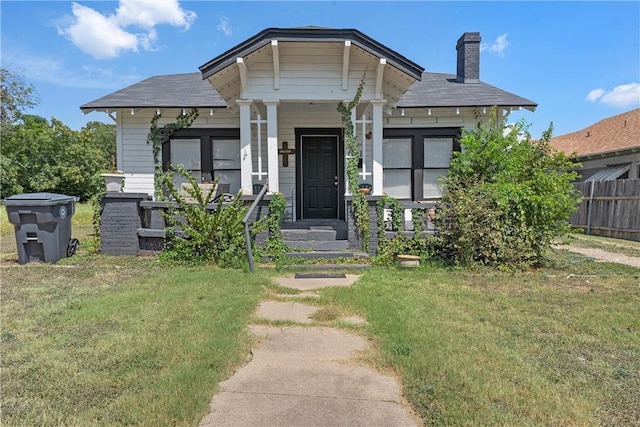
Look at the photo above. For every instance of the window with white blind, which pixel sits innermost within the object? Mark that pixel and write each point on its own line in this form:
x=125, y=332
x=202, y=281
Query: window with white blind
x=186, y=153
x=226, y=163
x=396, y=158
x=437, y=155
x=415, y=159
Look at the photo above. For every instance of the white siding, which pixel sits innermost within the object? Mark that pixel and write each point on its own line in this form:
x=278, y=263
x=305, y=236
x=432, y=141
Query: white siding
x=439, y=117
x=309, y=71
x=137, y=156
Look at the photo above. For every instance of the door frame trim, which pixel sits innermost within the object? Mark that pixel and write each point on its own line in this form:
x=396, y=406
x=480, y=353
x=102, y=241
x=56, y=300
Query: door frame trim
x=337, y=132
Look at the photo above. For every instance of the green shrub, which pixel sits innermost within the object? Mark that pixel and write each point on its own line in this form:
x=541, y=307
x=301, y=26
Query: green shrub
x=202, y=235
x=507, y=199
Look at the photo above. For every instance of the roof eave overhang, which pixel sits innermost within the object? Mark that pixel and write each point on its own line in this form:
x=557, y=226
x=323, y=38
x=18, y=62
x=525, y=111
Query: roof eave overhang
x=88, y=106
x=529, y=107
x=87, y=110
x=612, y=153
x=310, y=34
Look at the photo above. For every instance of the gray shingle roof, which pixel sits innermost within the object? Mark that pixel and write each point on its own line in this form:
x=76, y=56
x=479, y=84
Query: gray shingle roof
x=170, y=91
x=189, y=90
x=442, y=90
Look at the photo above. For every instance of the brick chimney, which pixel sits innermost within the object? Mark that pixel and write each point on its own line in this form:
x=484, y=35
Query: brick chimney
x=468, y=48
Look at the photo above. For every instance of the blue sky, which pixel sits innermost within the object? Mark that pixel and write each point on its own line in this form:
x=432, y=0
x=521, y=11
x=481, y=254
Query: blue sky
x=580, y=61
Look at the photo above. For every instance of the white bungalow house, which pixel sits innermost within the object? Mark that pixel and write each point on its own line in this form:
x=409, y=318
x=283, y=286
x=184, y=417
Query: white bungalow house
x=267, y=114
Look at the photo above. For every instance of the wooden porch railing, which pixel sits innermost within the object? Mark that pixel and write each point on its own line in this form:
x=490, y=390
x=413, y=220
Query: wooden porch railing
x=411, y=213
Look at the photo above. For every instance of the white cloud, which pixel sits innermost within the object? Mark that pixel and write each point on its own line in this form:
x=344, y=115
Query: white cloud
x=149, y=13
x=225, y=26
x=623, y=96
x=627, y=95
x=595, y=94
x=105, y=36
x=498, y=46
x=98, y=35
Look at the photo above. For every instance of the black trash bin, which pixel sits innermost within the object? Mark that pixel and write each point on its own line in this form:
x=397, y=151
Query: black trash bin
x=42, y=223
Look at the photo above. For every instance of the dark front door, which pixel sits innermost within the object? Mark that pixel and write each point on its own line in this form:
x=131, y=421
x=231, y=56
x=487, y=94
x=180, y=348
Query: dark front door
x=320, y=184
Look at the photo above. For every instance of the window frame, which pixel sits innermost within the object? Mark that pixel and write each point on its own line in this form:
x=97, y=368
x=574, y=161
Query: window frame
x=207, y=136
x=417, y=136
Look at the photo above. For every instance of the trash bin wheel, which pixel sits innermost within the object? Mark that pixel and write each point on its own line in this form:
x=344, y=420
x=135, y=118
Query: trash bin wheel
x=73, y=247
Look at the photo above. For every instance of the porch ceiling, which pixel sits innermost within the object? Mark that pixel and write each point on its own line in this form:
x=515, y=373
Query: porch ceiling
x=310, y=67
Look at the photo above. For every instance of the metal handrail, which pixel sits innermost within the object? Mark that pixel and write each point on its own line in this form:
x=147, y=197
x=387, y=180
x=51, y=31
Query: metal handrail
x=245, y=222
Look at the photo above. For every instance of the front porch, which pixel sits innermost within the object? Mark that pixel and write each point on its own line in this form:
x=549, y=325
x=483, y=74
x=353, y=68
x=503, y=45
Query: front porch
x=132, y=224
x=297, y=149
x=285, y=85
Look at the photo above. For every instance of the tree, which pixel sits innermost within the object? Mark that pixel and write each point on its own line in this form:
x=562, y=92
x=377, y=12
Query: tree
x=45, y=156
x=508, y=197
x=102, y=137
x=36, y=155
x=16, y=95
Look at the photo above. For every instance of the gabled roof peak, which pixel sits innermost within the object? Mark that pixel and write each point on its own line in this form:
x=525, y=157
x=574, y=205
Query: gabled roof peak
x=310, y=33
x=312, y=27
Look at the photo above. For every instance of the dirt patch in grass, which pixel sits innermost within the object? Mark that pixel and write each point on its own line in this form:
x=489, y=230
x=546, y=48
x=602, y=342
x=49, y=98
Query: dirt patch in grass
x=604, y=255
x=326, y=314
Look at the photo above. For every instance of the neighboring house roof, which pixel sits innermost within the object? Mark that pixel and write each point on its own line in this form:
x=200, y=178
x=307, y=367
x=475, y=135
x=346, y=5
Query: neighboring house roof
x=189, y=90
x=310, y=34
x=170, y=91
x=615, y=133
x=443, y=90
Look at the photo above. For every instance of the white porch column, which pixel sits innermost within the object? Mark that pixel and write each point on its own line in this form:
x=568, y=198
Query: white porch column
x=246, y=162
x=272, y=145
x=377, y=171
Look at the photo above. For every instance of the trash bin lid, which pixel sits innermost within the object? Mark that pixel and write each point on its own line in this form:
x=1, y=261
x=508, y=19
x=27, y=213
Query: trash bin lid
x=38, y=199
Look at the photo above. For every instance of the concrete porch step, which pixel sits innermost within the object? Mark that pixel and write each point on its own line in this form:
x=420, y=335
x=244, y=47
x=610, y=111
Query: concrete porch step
x=315, y=234
x=327, y=254
x=319, y=245
x=326, y=267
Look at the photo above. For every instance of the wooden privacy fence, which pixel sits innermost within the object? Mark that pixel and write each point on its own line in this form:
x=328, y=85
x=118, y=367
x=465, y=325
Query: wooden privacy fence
x=609, y=208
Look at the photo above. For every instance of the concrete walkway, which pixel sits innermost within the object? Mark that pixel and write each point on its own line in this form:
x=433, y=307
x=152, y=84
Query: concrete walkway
x=307, y=375
x=605, y=256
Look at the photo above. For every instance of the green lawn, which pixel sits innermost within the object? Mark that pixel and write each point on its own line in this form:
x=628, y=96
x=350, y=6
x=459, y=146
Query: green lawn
x=97, y=340
x=106, y=341
x=554, y=347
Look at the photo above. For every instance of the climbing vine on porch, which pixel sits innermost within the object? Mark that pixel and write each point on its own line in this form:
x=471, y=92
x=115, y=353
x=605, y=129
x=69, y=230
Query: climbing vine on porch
x=158, y=135
x=359, y=200
x=275, y=245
